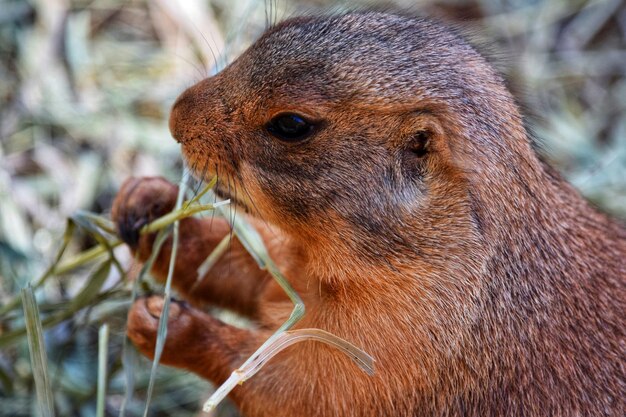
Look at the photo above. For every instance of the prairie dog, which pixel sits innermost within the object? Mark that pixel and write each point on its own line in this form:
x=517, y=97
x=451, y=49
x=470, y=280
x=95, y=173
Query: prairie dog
x=387, y=167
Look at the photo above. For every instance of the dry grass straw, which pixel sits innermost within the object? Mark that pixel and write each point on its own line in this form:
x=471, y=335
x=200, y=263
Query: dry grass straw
x=102, y=231
x=251, y=241
x=282, y=338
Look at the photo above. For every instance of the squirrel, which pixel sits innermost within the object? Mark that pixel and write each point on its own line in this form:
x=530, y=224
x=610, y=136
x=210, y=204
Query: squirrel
x=387, y=168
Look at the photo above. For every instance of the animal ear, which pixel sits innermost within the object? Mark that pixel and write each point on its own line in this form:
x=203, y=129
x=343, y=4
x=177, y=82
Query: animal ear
x=421, y=135
x=418, y=143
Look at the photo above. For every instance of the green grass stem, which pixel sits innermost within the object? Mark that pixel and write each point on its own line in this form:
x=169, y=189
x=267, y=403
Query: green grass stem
x=162, y=329
x=103, y=350
x=38, y=357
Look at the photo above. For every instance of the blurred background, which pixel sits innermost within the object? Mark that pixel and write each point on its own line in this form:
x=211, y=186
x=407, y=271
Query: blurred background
x=85, y=91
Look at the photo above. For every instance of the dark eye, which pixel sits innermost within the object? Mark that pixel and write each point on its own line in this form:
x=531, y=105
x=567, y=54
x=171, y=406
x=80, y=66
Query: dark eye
x=290, y=127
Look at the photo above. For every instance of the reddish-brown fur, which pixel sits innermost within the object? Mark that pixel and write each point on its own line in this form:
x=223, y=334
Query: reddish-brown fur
x=417, y=223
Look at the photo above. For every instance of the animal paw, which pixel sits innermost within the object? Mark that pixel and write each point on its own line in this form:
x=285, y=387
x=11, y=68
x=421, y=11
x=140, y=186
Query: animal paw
x=140, y=201
x=143, y=324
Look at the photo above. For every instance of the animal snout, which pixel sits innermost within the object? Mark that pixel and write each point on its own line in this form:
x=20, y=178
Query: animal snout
x=195, y=110
x=182, y=115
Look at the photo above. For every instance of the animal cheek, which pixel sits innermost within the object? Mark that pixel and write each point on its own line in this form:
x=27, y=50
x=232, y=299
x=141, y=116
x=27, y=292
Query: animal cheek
x=274, y=197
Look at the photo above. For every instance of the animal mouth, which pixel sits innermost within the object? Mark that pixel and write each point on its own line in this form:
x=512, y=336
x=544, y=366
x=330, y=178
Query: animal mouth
x=225, y=194
x=222, y=191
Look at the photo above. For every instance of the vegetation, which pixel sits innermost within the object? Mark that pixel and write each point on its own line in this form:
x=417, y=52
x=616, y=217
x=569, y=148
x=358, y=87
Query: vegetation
x=85, y=91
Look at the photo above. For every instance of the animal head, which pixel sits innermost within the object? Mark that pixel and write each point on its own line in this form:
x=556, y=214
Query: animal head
x=364, y=126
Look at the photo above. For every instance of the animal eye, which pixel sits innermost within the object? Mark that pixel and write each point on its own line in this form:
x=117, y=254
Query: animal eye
x=290, y=127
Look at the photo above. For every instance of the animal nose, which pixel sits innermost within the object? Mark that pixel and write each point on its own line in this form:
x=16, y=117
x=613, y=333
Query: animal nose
x=182, y=115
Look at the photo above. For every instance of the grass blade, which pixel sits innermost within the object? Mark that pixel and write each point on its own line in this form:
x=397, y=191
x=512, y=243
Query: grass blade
x=88, y=295
x=162, y=330
x=277, y=344
x=103, y=345
x=253, y=243
x=93, y=286
x=38, y=358
x=129, y=355
x=129, y=363
x=67, y=236
x=212, y=259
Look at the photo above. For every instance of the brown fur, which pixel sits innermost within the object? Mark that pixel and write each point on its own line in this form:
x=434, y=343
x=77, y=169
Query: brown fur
x=481, y=282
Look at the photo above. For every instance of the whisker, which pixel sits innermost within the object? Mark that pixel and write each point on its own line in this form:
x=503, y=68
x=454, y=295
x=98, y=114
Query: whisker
x=201, y=179
x=236, y=199
x=198, y=69
x=230, y=207
x=187, y=170
x=267, y=19
x=284, y=8
x=254, y=206
x=188, y=173
x=233, y=37
x=257, y=213
x=232, y=225
x=207, y=69
x=231, y=219
x=217, y=175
